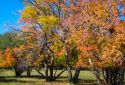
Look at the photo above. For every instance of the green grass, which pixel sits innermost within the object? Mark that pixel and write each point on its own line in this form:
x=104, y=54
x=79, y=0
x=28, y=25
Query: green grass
x=7, y=78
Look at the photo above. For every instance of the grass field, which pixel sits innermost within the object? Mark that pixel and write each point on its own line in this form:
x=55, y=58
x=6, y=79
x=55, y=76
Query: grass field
x=7, y=78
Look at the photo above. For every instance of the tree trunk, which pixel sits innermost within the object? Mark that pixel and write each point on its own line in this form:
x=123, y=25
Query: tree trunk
x=68, y=65
x=18, y=72
x=51, y=73
x=70, y=74
x=29, y=71
x=76, y=75
x=46, y=71
x=97, y=74
x=114, y=76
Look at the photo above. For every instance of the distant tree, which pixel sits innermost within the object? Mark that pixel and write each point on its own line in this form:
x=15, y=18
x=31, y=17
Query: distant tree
x=8, y=40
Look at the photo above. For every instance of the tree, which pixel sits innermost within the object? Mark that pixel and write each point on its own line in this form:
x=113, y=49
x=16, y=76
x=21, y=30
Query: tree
x=95, y=28
x=42, y=25
x=7, y=43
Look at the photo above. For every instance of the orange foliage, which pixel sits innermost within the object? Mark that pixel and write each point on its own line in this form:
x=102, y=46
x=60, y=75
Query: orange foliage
x=8, y=58
x=96, y=30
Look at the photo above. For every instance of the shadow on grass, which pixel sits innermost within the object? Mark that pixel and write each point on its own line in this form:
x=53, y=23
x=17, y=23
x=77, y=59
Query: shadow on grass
x=32, y=76
x=81, y=82
x=15, y=81
x=36, y=76
x=11, y=79
x=40, y=77
x=87, y=82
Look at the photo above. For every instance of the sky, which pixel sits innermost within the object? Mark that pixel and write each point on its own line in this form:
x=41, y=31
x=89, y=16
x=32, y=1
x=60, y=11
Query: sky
x=8, y=13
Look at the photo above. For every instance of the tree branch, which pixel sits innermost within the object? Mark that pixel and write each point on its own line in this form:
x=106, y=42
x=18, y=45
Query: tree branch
x=60, y=74
x=40, y=73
